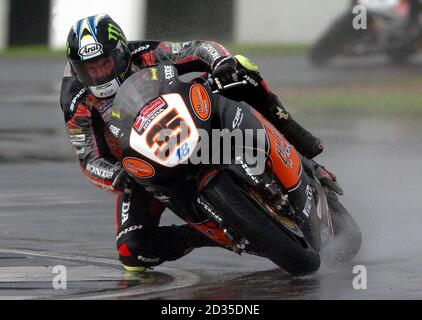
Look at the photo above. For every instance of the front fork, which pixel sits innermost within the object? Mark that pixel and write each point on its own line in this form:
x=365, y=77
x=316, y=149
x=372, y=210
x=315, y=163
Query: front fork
x=323, y=212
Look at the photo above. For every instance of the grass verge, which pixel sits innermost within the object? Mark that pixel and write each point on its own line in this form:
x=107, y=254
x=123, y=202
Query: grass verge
x=31, y=51
x=267, y=48
x=370, y=98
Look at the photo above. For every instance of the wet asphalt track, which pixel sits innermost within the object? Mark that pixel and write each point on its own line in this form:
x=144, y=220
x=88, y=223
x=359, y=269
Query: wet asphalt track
x=49, y=214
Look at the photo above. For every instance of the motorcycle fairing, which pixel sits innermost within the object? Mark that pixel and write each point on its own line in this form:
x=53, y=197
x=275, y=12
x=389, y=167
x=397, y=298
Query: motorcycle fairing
x=174, y=123
x=284, y=158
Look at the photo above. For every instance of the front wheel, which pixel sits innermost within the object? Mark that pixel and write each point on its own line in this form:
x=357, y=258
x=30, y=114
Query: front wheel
x=267, y=236
x=347, y=235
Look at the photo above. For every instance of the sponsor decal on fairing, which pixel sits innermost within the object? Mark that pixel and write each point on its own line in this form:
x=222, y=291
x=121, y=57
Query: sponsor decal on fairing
x=200, y=101
x=148, y=114
x=247, y=169
x=138, y=168
x=213, y=213
x=238, y=118
x=309, y=200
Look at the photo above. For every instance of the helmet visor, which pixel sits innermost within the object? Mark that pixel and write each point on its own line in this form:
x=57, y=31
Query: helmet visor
x=103, y=69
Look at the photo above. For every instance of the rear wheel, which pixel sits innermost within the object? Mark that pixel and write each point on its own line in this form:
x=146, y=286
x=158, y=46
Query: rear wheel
x=266, y=235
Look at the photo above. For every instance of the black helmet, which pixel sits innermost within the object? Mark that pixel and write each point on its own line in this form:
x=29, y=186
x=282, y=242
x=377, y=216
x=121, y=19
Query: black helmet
x=98, y=53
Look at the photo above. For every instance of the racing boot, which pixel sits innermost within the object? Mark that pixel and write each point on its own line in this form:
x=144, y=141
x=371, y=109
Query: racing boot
x=325, y=177
x=134, y=269
x=167, y=243
x=305, y=142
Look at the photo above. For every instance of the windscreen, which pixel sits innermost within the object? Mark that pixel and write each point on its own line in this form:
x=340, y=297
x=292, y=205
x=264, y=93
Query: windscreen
x=136, y=92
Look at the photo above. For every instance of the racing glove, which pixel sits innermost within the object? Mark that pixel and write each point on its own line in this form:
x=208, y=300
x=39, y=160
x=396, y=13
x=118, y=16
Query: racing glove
x=121, y=179
x=225, y=70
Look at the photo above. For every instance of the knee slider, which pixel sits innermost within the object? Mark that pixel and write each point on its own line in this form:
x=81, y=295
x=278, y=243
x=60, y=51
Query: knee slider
x=135, y=253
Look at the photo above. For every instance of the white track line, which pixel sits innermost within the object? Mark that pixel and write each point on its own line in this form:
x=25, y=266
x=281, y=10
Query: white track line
x=182, y=279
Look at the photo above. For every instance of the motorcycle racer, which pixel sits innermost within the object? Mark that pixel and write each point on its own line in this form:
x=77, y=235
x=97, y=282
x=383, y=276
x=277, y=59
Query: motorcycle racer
x=412, y=30
x=99, y=60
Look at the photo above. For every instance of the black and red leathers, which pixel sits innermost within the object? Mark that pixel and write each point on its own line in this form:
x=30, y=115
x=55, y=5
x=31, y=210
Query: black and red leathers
x=140, y=241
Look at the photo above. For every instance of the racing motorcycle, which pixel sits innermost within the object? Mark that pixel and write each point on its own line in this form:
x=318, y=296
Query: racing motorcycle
x=387, y=32
x=279, y=208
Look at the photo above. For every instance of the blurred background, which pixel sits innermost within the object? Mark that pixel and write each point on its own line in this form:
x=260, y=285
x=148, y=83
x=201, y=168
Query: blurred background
x=359, y=89
x=46, y=22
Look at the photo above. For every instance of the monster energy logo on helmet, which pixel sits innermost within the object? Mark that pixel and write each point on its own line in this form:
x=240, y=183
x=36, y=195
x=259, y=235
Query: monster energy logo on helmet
x=67, y=48
x=115, y=33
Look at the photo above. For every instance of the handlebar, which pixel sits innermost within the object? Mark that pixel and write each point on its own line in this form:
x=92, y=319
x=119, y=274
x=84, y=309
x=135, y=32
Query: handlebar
x=217, y=87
